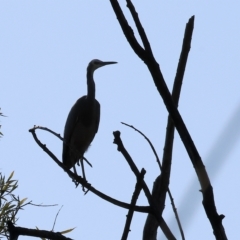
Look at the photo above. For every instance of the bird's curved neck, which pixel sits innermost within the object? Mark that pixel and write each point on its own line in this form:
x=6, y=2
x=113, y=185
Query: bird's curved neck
x=90, y=86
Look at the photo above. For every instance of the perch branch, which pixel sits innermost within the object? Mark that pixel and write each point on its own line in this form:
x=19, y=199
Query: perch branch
x=79, y=179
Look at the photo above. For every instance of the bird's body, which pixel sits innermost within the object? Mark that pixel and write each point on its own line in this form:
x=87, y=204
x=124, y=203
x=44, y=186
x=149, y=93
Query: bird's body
x=82, y=122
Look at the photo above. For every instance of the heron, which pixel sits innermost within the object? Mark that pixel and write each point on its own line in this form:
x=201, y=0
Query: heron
x=82, y=122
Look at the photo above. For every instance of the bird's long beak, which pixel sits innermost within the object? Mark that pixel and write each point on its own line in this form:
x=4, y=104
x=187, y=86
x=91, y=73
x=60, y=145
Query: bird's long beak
x=107, y=63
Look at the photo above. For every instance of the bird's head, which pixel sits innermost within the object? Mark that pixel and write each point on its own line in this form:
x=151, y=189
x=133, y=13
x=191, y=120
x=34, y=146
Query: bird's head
x=95, y=64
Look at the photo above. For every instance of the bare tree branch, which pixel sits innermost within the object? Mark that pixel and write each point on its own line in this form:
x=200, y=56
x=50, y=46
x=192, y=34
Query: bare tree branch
x=168, y=146
x=153, y=66
x=15, y=232
x=136, y=193
x=58, y=135
x=140, y=28
x=79, y=179
x=150, y=228
x=127, y=30
x=154, y=210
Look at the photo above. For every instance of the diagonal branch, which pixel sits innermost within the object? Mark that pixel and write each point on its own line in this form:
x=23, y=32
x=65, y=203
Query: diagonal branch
x=168, y=147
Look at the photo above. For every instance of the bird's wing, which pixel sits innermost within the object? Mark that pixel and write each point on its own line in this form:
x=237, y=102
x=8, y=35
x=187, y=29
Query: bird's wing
x=69, y=128
x=72, y=118
x=98, y=115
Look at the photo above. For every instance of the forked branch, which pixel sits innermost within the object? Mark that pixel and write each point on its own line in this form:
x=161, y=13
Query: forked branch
x=154, y=209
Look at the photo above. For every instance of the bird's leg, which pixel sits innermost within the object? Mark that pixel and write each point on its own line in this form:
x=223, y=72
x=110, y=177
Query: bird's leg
x=75, y=171
x=87, y=162
x=83, y=172
x=78, y=162
x=76, y=183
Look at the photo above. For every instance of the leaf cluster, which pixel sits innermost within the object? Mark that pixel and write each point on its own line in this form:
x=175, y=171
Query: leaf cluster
x=10, y=204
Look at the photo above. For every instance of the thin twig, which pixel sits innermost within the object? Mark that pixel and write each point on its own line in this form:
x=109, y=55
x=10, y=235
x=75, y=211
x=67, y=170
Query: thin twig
x=56, y=218
x=151, y=145
x=58, y=135
x=41, y=205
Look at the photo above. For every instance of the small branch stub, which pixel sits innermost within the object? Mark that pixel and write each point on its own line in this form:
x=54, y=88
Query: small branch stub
x=117, y=140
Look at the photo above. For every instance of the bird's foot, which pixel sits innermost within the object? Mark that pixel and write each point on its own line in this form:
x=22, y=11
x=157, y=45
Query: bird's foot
x=83, y=188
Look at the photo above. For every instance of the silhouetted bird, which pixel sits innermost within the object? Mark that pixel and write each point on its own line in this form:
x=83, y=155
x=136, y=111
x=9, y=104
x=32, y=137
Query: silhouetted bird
x=82, y=122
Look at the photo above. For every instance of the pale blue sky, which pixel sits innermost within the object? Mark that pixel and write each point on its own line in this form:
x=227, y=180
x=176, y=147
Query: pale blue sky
x=45, y=47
